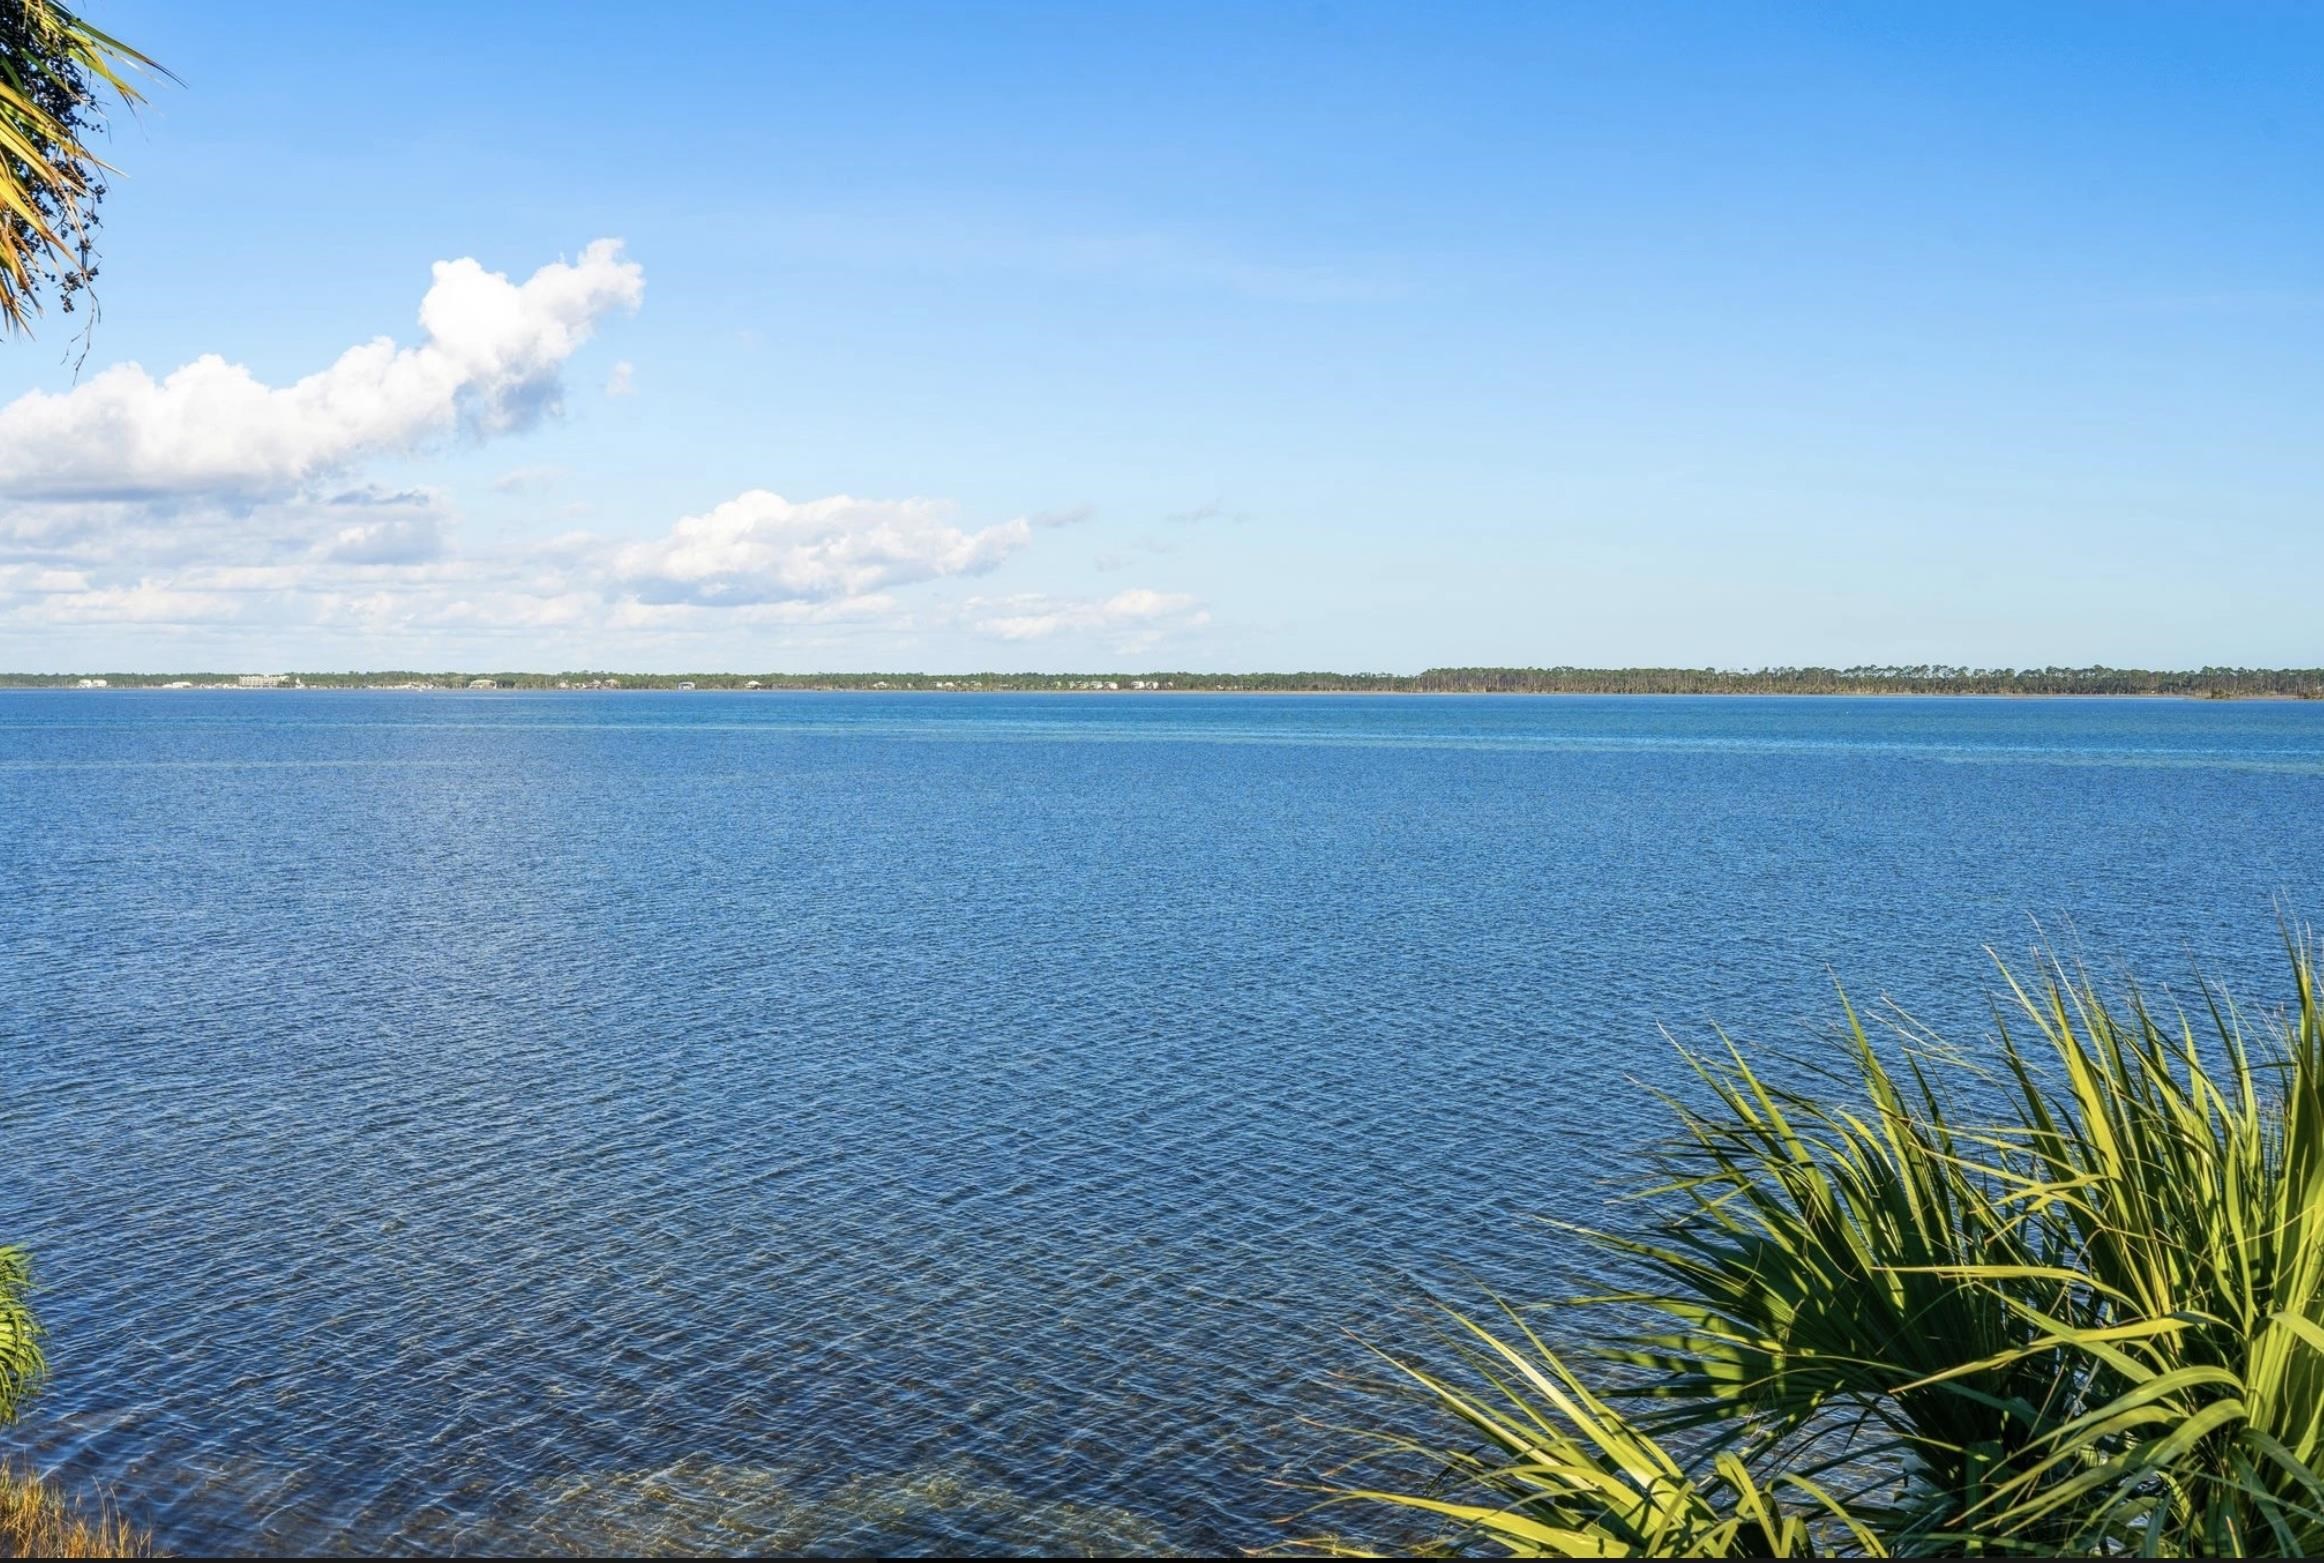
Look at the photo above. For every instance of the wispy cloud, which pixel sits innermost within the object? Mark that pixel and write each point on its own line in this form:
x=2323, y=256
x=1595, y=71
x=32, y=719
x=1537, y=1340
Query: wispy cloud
x=1208, y=510
x=528, y=480
x=1139, y=616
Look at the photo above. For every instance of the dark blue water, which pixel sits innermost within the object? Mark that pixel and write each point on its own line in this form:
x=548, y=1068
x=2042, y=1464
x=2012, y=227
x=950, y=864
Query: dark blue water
x=850, y=1121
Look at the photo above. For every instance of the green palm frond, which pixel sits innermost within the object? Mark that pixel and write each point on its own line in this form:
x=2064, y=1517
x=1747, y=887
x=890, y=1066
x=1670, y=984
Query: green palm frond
x=2073, y=1304
x=54, y=66
x=1556, y=1470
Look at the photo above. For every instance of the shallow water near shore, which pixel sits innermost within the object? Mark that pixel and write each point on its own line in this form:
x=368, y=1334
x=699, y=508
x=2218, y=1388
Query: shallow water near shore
x=857, y=1122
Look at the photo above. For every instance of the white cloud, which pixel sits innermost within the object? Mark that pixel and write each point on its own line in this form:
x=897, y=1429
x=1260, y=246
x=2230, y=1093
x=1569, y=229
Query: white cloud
x=623, y=380
x=128, y=539
x=631, y=614
x=142, y=603
x=397, y=540
x=490, y=360
x=207, y=500
x=27, y=579
x=527, y=480
x=761, y=548
x=1144, y=613
x=395, y=564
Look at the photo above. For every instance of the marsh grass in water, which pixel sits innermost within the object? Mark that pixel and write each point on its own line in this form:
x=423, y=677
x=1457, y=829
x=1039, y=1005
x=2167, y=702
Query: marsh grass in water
x=2068, y=1304
x=22, y=1364
x=40, y=1520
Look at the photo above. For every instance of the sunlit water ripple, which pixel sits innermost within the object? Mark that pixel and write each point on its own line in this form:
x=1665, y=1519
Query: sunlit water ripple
x=861, y=1122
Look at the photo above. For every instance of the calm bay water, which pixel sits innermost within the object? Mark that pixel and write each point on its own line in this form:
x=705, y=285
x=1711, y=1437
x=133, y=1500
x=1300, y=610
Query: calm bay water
x=838, y=1122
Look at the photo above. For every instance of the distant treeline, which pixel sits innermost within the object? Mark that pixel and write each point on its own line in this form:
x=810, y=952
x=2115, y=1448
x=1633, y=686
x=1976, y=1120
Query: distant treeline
x=1930, y=679
x=2212, y=682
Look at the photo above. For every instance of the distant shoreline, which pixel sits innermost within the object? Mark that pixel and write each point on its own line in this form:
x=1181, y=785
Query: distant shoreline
x=1257, y=694
x=2211, y=683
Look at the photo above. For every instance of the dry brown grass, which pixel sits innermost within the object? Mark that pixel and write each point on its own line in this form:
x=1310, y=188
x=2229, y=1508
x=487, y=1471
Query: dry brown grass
x=39, y=1521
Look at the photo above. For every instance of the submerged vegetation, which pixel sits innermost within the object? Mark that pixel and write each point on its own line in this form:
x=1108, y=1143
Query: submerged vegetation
x=2210, y=682
x=38, y=1521
x=2065, y=1298
x=2067, y=1306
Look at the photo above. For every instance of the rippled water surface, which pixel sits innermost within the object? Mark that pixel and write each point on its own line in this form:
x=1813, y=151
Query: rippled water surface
x=854, y=1122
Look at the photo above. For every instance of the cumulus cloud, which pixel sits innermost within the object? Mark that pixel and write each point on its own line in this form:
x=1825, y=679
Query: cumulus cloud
x=489, y=360
x=623, y=380
x=761, y=548
x=206, y=499
x=1143, y=612
x=392, y=564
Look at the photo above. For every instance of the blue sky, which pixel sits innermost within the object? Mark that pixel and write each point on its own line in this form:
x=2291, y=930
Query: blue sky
x=1217, y=337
